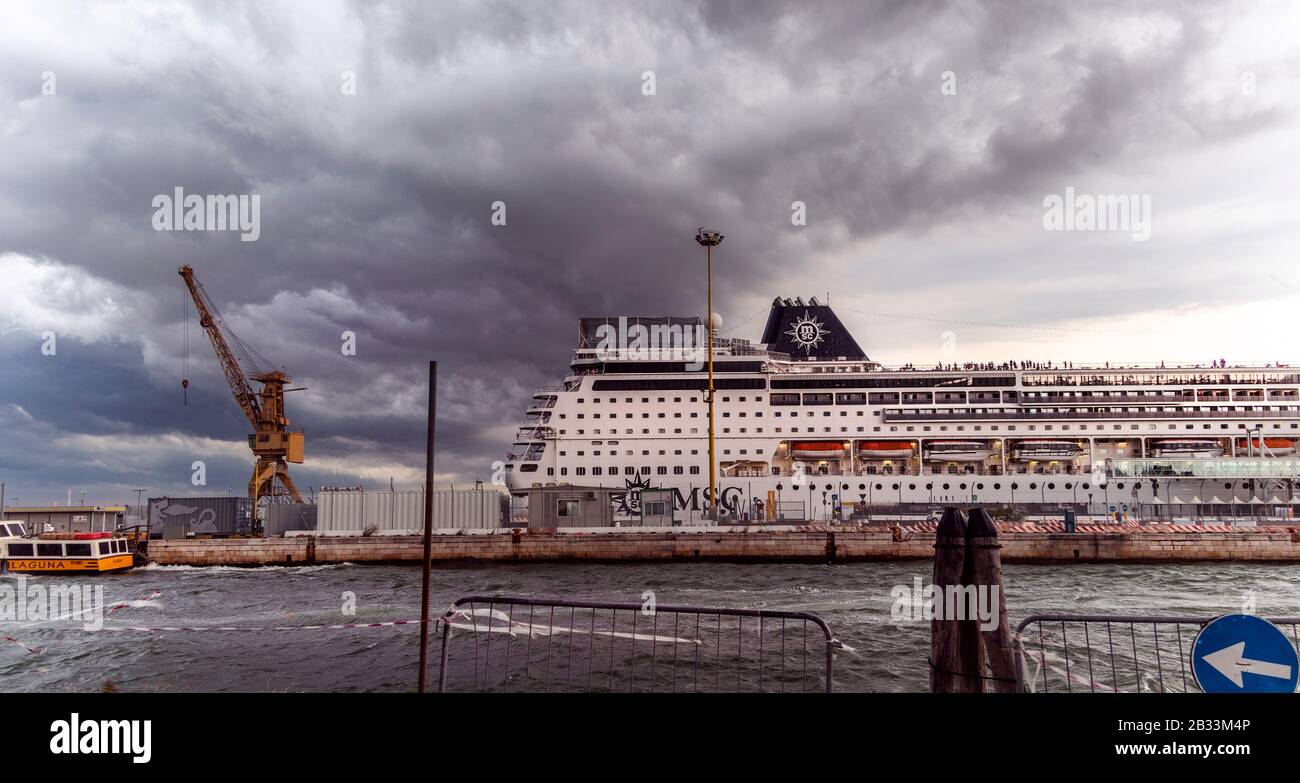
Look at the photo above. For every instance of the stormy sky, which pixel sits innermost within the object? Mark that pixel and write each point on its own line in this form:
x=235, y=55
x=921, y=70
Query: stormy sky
x=922, y=137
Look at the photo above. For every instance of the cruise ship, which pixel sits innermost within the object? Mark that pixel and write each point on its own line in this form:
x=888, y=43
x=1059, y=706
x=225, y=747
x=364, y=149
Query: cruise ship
x=807, y=427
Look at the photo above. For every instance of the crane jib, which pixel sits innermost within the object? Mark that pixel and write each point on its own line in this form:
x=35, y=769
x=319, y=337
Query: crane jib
x=271, y=442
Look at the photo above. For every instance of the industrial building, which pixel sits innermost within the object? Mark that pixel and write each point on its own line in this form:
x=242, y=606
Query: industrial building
x=66, y=519
x=568, y=505
x=402, y=511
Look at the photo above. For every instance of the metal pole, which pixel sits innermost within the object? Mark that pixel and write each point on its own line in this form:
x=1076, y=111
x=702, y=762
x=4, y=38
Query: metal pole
x=428, y=523
x=709, y=239
x=713, y=464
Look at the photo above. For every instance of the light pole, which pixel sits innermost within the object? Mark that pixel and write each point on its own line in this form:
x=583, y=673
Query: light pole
x=709, y=239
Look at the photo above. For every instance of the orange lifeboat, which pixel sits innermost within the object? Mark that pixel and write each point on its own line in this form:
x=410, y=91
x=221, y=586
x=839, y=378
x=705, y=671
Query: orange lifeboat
x=886, y=449
x=1276, y=446
x=817, y=449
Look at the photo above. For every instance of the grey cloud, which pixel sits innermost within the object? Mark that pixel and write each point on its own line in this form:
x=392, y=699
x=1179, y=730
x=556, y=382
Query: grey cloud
x=375, y=207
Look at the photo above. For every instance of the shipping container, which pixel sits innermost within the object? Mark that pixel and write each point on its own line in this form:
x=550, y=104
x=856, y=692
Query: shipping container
x=403, y=510
x=281, y=517
x=212, y=516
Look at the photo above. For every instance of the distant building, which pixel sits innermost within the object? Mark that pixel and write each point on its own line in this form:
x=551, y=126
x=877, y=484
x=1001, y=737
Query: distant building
x=67, y=519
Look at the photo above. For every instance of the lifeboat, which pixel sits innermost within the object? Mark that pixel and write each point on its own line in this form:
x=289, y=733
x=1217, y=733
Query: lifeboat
x=817, y=449
x=1187, y=449
x=1278, y=447
x=885, y=449
x=957, y=451
x=1044, y=449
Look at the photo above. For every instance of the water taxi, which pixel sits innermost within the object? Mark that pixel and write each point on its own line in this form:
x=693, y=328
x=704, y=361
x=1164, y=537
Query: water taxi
x=62, y=553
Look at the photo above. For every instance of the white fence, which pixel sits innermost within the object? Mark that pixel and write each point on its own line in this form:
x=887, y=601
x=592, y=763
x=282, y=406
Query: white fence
x=342, y=511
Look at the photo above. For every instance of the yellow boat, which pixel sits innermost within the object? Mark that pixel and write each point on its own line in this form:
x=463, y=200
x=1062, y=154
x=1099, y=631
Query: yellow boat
x=62, y=553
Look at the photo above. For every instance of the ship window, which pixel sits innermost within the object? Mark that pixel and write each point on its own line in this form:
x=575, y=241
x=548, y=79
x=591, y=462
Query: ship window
x=662, y=470
x=20, y=550
x=49, y=550
x=580, y=471
x=530, y=468
x=695, y=470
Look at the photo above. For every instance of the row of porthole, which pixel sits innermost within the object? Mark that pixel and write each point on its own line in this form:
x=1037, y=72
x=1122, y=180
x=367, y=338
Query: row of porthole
x=1014, y=485
x=995, y=486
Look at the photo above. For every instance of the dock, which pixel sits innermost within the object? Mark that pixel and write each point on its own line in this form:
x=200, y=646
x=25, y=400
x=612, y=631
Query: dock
x=809, y=543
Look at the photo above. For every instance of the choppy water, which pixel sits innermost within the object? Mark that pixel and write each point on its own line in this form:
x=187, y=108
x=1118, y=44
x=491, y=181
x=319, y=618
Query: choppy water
x=853, y=598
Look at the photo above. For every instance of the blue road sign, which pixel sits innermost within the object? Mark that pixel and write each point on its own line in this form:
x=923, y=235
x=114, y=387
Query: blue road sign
x=1241, y=653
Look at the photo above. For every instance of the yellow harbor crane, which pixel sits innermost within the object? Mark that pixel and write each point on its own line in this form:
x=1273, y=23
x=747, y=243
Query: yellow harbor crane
x=272, y=443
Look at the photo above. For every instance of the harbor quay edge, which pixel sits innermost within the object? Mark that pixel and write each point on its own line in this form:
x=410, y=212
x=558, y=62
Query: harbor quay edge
x=1278, y=545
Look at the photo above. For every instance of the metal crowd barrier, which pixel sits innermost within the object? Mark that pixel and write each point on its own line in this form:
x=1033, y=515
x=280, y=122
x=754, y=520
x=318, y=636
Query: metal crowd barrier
x=511, y=643
x=1112, y=653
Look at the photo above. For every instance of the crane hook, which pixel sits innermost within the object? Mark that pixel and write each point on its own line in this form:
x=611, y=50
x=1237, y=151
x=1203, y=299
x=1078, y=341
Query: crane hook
x=185, y=387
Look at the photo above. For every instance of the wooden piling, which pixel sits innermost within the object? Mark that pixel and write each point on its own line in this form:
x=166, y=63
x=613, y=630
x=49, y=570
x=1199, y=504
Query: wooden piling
x=966, y=607
x=945, y=640
x=985, y=559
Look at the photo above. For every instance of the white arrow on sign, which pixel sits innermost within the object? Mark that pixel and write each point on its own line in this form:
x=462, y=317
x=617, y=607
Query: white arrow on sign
x=1231, y=662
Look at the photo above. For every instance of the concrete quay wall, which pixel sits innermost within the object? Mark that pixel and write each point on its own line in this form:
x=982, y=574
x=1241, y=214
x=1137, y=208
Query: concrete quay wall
x=848, y=544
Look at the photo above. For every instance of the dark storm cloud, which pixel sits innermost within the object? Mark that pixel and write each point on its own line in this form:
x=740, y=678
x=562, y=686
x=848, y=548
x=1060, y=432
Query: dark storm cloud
x=375, y=207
